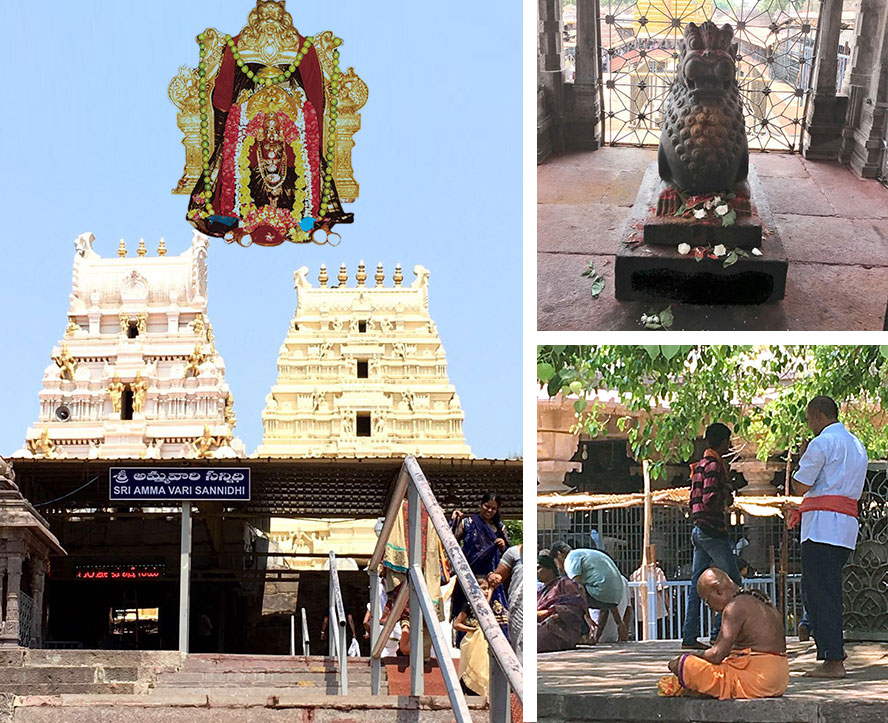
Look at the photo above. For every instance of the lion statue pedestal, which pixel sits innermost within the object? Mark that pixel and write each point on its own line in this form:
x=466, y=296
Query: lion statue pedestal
x=701, y=231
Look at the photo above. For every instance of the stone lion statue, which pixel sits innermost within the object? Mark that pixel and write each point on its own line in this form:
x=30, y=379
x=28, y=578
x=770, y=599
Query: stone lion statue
x=703, y=146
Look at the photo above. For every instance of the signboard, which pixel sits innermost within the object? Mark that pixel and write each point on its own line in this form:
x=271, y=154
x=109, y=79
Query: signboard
x=174, y=483
x=119, y=572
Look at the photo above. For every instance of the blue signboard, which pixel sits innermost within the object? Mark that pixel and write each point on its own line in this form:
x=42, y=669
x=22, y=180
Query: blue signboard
x=179, y=483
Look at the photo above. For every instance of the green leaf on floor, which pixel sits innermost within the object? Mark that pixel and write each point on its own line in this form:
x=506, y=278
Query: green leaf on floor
x=731, y=259
x=597, y=280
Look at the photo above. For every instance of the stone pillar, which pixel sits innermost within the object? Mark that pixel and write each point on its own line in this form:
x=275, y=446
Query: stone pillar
x=10, y=633
x=38, y=580
x=584, y=129
x=758, y=476
x=550, y=79
x=826, y=109
x=866, y=84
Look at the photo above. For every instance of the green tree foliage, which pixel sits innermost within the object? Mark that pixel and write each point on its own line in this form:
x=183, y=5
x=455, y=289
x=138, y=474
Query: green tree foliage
x=673, y=391
x=515, y=531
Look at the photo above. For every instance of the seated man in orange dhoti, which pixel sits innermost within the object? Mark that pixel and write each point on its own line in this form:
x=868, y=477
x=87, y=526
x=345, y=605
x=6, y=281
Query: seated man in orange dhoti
x=748, y=660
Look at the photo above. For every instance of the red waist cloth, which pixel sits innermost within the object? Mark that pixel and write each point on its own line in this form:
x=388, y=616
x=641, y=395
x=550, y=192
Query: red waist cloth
x=830, y=503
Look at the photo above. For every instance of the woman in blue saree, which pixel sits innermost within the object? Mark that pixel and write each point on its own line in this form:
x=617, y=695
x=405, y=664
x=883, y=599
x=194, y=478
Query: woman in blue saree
x=484, y=540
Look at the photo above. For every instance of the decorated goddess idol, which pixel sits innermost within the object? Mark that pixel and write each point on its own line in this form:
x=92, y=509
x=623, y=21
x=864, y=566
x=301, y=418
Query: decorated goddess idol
x=268, y=119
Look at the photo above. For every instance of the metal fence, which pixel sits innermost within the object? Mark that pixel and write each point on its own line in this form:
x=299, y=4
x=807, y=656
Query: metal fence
x=672, y=605
x=27, y=638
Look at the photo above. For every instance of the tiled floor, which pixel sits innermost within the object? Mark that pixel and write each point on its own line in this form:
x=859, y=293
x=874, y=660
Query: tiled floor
x=834, y=227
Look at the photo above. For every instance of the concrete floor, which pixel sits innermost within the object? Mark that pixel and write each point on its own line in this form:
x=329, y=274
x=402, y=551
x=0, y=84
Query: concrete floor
x=619, y=682
x=834, y=227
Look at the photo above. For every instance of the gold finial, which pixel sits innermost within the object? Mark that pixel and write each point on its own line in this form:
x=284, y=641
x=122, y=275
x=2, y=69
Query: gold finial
x=380, y=277
x=361, y=276
x=141, y=251
x=343, y=276
x=121, y=248
x=322, y=277
x=399, y=275
x=162, y=248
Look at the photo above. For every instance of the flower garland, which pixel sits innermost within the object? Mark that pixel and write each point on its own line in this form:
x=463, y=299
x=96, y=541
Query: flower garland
x=310, y=130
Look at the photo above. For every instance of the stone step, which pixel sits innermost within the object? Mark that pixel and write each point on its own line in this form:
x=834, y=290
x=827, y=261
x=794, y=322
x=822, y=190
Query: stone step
x=237, y=707
x=244, y=663
x=54, y=689
x=74, y=658
x=255, y=678
x=55, y=674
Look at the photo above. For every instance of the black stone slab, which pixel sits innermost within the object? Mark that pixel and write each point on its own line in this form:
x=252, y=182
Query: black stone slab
x=669, y=230
x=652, y=272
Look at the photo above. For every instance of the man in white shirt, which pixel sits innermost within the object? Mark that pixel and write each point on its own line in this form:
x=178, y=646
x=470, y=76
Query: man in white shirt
x=831, y=475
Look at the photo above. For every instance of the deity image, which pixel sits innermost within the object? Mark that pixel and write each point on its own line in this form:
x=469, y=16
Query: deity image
x=268, y=120
x=703, y=146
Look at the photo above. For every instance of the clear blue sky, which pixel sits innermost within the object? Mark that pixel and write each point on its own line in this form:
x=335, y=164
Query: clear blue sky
x=90, y=143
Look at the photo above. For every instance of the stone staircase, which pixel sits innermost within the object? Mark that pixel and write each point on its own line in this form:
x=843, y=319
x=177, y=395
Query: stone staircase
x=92, y=686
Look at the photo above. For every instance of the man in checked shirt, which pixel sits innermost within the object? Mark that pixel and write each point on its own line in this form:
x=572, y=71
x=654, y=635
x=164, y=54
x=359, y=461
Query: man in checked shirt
x=711, y=495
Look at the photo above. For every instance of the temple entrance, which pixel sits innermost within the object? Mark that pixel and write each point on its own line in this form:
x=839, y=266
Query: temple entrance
x=101, y=613
x=639, y=47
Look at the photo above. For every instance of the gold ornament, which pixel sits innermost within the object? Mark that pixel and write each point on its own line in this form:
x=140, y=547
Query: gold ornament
x=140, y=392
x=399, y=275
x=361, y=276
x=230, y=417
x=66, y=363
x=42, y=446
x=380, y=276
x=141, y=251
x=204, y=444
x=72, y=327
x=115, y=392
x=162, y=248
x=343, y=275
x=121, y=249
x=322, y=277
x=197, y=358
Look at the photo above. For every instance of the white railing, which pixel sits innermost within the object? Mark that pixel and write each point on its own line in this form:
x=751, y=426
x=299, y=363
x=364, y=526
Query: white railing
x=336, y=626
x=505, y=668
x=306, y=646
x=674, y=595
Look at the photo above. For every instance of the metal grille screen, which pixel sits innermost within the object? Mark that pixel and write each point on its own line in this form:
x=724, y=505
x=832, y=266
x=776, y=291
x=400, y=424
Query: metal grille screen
x=639, y=48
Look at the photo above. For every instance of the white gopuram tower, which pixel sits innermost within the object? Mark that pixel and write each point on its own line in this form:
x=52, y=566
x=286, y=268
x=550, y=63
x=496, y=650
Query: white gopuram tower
x=137, y=374
x=362, y=373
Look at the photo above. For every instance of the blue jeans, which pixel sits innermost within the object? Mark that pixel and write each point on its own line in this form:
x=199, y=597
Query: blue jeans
x=708, y=552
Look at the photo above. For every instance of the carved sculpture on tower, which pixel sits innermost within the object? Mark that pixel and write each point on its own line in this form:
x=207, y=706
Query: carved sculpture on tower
x=118, y=385
x=268, y=119
x=362, y=373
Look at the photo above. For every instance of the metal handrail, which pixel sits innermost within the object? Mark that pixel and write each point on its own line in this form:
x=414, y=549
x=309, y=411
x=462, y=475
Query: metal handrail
x=505, y=668
x=306, y=643
x=336, y=626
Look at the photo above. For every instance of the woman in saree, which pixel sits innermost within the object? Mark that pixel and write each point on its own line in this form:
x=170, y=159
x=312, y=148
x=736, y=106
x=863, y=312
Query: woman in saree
x=484, y=540
x=561, y=608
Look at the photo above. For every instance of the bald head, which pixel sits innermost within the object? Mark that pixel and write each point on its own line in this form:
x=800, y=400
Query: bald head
x=716, y=588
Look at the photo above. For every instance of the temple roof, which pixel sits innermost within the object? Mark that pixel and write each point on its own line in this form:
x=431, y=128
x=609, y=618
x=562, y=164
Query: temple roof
x=288, y=487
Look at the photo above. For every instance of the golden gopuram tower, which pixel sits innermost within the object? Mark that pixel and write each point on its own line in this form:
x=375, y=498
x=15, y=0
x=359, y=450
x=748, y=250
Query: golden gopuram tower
x=362, y=373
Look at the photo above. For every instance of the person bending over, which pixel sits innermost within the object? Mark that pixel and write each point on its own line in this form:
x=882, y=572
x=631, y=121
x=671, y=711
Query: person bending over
x=749, y=658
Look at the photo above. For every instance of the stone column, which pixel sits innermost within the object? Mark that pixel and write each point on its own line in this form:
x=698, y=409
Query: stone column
x=584, y=119
x=550, y=79
x=10, y=633
x=866, y=84
x=38, y=579
x=826, y=109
